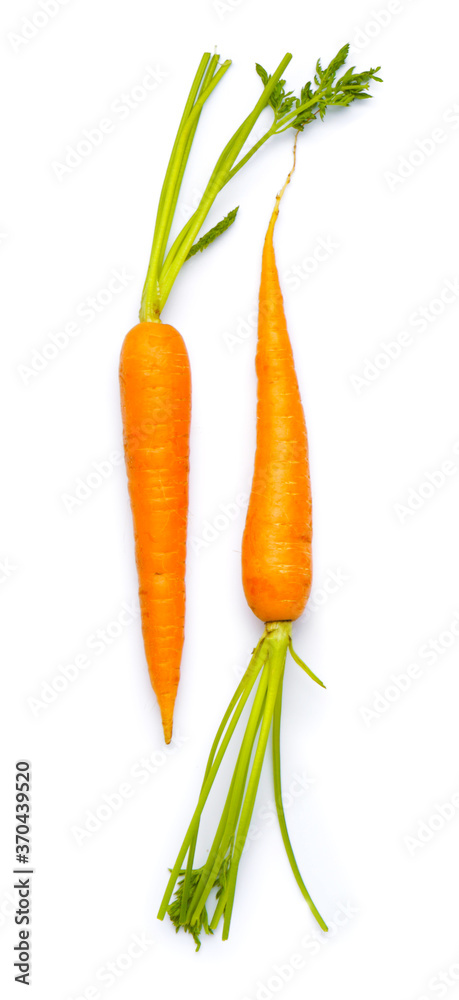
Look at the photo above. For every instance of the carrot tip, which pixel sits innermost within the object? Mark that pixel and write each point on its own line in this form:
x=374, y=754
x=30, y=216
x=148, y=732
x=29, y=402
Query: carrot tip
x=167, y=729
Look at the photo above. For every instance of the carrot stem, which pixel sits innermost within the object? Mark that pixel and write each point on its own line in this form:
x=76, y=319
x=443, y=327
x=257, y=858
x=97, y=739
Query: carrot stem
x=303, y=666
x=275, y=669
x=249, y=673
x=248, y=156
x=150, y=306
x=172, y=191
x=217, y=181
x=161, y=232
x=228, y=820
x=280, y=809
x=188, y=910
x=162, y=274
x=248, y=680
x=158, y=238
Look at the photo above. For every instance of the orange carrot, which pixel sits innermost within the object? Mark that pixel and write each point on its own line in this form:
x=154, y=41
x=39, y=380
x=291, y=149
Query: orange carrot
x=276, y=546
x=155, y=386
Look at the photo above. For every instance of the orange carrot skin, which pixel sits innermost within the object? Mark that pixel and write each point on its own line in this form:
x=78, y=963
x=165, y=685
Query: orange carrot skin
x=155, y=384
x=276, y=547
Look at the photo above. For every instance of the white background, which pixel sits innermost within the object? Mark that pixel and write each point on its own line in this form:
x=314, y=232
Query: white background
x=371, y=779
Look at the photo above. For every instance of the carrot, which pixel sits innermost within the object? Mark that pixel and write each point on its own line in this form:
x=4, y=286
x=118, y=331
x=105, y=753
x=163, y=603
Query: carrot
x=155, y=382
x=276, y=546
x=276, y=572
x=154, y=372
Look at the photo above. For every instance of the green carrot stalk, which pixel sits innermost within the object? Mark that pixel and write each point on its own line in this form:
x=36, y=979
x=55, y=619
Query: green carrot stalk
x=289, y=111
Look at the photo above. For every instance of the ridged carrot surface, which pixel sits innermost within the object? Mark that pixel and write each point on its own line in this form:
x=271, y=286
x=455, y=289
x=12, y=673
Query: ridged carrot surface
x=155, y=386
x=276, y=547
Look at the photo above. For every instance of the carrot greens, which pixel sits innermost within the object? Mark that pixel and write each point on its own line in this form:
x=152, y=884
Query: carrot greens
x=288, y=112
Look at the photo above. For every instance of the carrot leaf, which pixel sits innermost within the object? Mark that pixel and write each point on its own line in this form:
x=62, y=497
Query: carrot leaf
x=174, y=910
x=213, y=233
x=289, y=111
x=264, y=76
x=280, y=101
x=314, y=99
x=324, y=76
x=296, y=112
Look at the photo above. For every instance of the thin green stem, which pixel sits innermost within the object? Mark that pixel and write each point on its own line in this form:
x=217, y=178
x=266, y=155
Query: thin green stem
x=285, y=122
x=303, y=666
x=275, y=668
x=180, y=239
x=280, y=809
x=175, y=190
x=161, y=232
x=182, y=236
x=252, y=672
x=188, y=910
x=165, y=265
x=192, y=852
x=275, y=129
x=228, y=820
x=248, y=156
x=201, y=75
x=217, y=181
x=231, y=707
x=249, y=679
x=150, y=307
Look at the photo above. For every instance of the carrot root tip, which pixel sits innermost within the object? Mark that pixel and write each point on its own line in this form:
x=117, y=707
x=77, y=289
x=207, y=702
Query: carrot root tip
x=167, y=729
